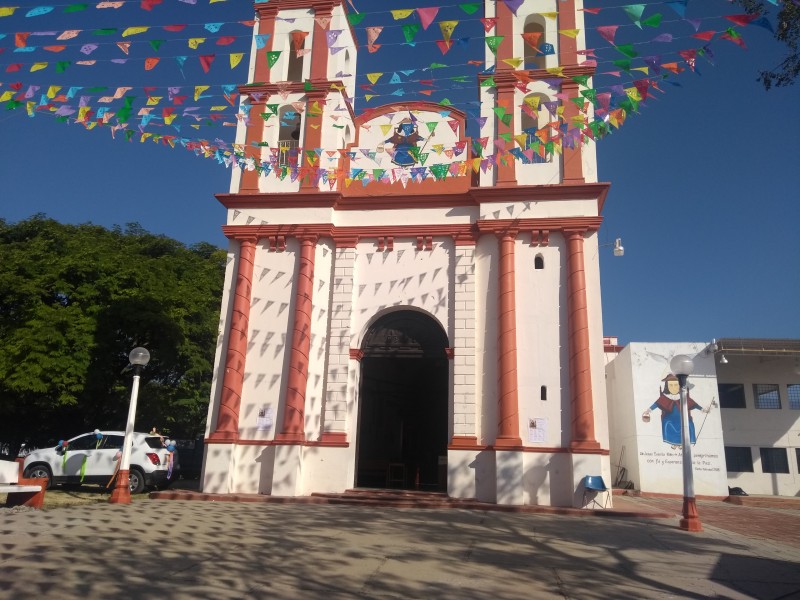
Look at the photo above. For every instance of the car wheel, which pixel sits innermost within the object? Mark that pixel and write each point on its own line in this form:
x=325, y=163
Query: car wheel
x=40, y=472
x=136, y=480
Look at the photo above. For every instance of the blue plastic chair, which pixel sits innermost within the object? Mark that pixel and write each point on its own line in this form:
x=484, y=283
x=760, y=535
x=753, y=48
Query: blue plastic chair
x=594, y=484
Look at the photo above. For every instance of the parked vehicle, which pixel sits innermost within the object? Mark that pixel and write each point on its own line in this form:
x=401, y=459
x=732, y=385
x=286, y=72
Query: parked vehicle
x=93, y=458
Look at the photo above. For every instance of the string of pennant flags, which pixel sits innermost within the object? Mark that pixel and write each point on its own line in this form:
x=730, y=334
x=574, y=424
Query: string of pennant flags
x=601, y=108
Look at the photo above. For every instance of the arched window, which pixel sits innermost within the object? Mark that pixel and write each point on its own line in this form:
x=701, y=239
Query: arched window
x=297, y=41
x=535, y=116
x=538, y=262
x=544, y=392
x=288, y=134
x=347, y=63
x=534, y=25
x=348, y=136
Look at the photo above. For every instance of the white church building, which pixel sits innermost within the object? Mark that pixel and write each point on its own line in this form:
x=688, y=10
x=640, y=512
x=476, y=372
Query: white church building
x=389, y=323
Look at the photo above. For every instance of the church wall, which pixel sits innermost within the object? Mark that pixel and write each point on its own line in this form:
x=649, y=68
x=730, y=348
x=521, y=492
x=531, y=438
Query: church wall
x=337, y=66
x=546, y=479
x=488, y=99
x=538, y=209
x=328, y=470
x=540, y=361
x=659, y=465
x=320, y=323
x=229, y=284
x=290, y=216
x=486, y=371
x=404, y=277
x=595, y=311
x=269, y=339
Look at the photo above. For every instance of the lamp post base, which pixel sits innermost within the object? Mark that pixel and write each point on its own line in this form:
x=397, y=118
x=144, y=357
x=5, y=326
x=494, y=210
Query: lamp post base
x=690, y=520
x=121, y=494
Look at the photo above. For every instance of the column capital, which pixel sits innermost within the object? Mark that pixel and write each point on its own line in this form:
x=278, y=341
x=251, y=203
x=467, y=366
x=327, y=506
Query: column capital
x=506, y=234
x=307, y=238
x=573, y=232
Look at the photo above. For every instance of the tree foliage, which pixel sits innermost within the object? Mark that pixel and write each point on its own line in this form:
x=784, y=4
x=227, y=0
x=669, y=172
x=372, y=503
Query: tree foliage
x=787, y=32
x=74, y=300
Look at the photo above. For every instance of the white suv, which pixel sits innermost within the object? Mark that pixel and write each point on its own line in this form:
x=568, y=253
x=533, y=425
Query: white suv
x=93, y=457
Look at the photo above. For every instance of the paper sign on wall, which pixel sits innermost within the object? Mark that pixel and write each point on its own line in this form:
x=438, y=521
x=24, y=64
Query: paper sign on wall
x=264, y=419
x=537, y=430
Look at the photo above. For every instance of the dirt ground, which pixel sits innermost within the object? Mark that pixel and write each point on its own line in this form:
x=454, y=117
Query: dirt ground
x=90, y=494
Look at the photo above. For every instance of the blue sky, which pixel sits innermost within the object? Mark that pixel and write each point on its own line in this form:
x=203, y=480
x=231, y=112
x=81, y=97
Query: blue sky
x=702, y=193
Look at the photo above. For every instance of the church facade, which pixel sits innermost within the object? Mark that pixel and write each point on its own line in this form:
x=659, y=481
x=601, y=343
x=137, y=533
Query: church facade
x=388, y=328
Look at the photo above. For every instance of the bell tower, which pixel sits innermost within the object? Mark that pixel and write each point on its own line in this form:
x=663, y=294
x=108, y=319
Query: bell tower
x=299, y=97
x=535, y=127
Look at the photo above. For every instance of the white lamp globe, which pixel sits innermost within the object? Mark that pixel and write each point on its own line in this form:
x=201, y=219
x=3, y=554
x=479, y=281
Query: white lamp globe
x=681, y=365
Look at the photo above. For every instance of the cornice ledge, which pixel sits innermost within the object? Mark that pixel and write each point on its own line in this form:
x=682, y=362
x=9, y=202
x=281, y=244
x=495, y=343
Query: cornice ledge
x=263, y=231
x=560, y=191
x=502, y=226
x=283, y=200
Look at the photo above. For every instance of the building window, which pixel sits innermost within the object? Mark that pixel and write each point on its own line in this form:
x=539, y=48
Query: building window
x=288, y=136
x=797, y=456
x=766, y=395
x=534, y=114
x=731, y=395
x=538, y=262
x=793, y=392
x=295, y=70
x=774, y=460
x=544, y=392
x=738, y=459
x=534, y=56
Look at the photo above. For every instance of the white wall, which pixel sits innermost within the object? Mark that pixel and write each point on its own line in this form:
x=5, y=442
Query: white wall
x=634, y=381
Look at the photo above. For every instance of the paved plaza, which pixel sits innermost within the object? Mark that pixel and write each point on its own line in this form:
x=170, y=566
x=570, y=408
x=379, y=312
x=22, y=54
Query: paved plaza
x=173, y=550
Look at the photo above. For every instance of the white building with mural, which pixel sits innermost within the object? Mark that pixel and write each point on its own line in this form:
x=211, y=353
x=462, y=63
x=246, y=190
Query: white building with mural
x=745, y=412
x=401, y=311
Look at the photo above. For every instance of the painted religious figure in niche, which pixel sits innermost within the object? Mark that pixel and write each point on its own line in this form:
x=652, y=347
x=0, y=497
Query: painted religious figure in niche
x=405, y=138
x=669, y=402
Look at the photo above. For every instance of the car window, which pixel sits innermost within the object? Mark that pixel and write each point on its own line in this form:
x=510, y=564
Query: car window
x=154, y=442
x=113, y=442
x=84, y=442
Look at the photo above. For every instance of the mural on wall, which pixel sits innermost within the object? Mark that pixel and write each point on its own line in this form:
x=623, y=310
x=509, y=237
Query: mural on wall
x=405, y=138
x=668, y=403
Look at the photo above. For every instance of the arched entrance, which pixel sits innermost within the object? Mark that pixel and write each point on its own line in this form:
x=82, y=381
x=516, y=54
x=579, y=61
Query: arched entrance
x=403, y=421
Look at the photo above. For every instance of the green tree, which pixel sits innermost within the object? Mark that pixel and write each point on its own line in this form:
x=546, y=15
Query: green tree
x=787, y=32
x=75, y=299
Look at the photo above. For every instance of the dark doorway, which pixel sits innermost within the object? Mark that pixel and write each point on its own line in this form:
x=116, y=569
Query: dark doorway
x=403, y=425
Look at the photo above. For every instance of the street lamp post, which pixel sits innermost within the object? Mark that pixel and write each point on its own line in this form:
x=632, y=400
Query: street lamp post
x=139, y=357
x=682, y=366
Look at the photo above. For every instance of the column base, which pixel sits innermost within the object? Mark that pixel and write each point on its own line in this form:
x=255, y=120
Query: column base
x=584, y=445
x=690, y=520
x=334, y=438
x=121, y=493
x=508, y=442
x=290, y=438
x=223, y=437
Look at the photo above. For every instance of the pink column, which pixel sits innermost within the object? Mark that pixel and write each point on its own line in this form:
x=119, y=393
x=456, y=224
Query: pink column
x=580, y=373
x=293, y=428
x=508, y=404
x=227, y=428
